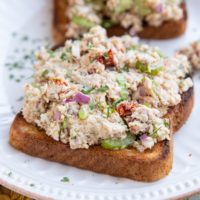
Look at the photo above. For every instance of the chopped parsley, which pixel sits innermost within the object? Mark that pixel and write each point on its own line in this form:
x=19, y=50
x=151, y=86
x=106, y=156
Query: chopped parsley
x=90, y=45
x=10, y=174
x=103, y=89
x=114, y=105
x=11, y=76
x=155, y=131
x=105, y=55
x=65, y=179
x=64, y=124
x=63, y=56
x=125, y=68
x=45, y=72
x=87, y=90
x=167, y=124
x=107, y=23
x=94, y=105
x=108, y=111
x=25, y=38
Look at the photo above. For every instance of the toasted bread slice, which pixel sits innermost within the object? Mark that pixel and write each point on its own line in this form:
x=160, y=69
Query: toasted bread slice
x=147, y=166
x=169, y=29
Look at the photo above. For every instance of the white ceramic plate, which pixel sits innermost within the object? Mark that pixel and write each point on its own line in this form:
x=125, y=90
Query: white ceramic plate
x=40, y=179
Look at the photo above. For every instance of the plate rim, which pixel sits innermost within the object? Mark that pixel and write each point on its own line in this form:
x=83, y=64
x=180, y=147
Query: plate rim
x=29, y=194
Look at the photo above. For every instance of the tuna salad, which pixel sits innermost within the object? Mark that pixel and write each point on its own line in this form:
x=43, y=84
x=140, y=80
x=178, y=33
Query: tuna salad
x=105, y=91
x=193, y=54
x=129, y=14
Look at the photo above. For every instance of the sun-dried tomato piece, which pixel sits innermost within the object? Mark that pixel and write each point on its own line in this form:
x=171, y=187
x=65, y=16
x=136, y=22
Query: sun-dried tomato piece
x=107, y=59
x=59, y=81
x=125, y=109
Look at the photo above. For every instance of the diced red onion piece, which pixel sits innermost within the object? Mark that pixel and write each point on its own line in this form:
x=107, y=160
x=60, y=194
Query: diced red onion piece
x=82, y=98
x=132, y=32
x=69, y=100
x=143, y=137
x=38, y=104
x=142, y=91
x=159, y=8
x=79, y=98
x=57, y=115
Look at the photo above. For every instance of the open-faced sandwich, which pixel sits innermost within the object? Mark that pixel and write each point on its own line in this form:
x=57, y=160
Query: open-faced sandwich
x=155, y=19
x=105, y=104
x=192, y=52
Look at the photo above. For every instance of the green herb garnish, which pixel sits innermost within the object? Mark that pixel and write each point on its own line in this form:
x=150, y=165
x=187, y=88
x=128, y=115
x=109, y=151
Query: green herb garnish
x=64, y=124
x=10, y=174
x=45, y=72
x=107, y=23
x=103, y=89
x=114, y=105
x=63, y=56
x=25, y=38
x=125, y=68
x=86, y=90
x=166, y=123
x=65, y=179
x=11, y=76
x=105, y=55
x=108, y=111
x=90, y=45
x=155, y=130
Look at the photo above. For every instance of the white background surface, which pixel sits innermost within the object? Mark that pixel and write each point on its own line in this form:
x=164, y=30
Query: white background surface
x=32, y=176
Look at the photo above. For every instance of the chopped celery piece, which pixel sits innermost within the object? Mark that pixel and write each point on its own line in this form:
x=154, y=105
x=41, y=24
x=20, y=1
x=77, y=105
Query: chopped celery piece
x=123, y=5
x=83, y=113
x=141, y=8
x=124, y=93
x=147, y=104
x=82, y=22
x=156, y=71
x=122, y=83
x=144, y=68
x=121, y=80
x=116, y=144
x=64, y=124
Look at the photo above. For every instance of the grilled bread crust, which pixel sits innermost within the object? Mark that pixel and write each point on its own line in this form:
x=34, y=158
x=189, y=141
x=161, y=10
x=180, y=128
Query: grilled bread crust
x=148, y=166
x=169, y=29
